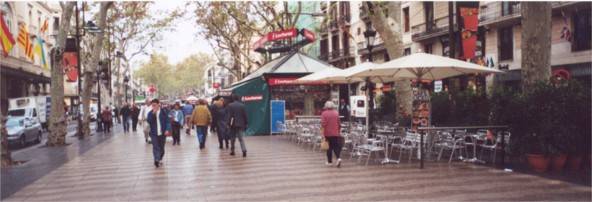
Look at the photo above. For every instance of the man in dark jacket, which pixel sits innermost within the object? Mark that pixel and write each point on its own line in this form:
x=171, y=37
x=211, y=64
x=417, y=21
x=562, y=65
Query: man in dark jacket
x=237, y=120
x=135, y=113
x=160, y=127
x=125, y=115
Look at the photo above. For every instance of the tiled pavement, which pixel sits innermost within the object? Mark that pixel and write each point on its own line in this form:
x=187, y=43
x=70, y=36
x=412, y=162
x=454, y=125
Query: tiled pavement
x=121, y=169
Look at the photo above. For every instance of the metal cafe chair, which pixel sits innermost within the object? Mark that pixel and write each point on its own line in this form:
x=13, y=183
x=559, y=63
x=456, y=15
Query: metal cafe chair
x=409, y=144
x=493, y=147
x=452, y=143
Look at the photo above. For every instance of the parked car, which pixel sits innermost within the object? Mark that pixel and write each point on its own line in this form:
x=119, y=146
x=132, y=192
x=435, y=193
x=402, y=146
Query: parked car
x=23, y=130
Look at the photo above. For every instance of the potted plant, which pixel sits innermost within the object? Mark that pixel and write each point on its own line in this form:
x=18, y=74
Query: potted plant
x=577, y=121
x=535, y=126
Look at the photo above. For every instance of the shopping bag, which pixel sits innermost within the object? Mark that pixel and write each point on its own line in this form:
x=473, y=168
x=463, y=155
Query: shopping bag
x=324, y=144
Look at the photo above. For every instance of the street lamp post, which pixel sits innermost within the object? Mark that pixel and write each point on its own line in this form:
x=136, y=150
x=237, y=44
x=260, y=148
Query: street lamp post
x=370, y=36
x=92, y=28
x=125, y=81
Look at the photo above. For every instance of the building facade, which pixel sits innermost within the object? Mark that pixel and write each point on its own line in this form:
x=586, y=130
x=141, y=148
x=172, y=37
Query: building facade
x=27, y=72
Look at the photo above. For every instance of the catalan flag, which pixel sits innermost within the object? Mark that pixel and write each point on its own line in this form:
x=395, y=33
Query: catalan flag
x=25, y=42
x=44, y=26
x=6, y=39
x=41, y=52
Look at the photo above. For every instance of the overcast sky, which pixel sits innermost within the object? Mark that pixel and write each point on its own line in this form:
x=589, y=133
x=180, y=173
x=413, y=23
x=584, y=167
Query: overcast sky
x=182, y=42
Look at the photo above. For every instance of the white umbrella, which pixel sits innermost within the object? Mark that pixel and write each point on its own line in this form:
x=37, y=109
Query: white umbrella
x=424, y=66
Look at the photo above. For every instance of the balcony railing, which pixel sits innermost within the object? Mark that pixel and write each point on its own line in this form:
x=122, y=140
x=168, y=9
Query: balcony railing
x=342, y=53
x=493, y=12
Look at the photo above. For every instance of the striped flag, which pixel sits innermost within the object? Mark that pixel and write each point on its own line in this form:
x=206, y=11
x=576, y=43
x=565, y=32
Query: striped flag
x=25, y=42
x=6, y=39
x=44, y=26
x=41, y=52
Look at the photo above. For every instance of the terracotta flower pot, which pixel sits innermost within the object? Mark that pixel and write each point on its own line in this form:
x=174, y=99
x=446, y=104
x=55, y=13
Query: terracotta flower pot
x=574, y=162
x=558, y=162
x=538, y=162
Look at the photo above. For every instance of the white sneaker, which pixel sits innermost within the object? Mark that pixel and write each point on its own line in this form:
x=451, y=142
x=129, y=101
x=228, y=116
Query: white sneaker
x=328, y=164
x=338, y=163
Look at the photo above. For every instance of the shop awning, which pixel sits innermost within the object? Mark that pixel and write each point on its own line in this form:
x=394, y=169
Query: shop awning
x=294, y=63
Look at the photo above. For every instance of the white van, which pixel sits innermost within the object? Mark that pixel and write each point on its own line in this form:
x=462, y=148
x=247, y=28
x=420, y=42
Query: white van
x=36, y=108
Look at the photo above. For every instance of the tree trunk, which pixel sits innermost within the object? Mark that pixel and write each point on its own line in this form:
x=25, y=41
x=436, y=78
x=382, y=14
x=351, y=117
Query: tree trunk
x=389, y=29
x=57, y=119
x=6, y=157
x=91, y=69
x=536, y=43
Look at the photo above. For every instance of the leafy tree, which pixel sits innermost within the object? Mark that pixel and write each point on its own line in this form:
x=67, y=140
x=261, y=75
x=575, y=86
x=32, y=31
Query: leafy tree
x=174, y=80
x=232, y=27
x=386, y=19
x=92, y=66
x=57, y=119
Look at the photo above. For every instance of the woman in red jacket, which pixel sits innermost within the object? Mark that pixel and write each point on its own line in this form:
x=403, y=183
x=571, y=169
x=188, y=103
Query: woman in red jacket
x=331, y=128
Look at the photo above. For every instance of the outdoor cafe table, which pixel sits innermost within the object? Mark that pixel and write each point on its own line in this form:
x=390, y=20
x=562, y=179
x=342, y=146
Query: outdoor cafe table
x=386, y=135
x=424, y=129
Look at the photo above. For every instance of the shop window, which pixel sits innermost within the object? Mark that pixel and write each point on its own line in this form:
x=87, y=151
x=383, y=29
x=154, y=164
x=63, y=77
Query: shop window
x=429, y=15
x=407, y=51
x=506, y=44
x=345, y=11
x=345, y=43
x=582, y=28
x=508, y=8
x=56, y=23
x=335, y=44
x=406, y=18
x=427, y=48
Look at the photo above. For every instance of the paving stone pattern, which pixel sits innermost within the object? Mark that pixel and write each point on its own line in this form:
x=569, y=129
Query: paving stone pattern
x=121, y=169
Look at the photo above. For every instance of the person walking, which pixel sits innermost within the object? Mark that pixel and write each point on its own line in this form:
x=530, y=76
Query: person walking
x=331, y=131
x=237, y=120
x=144, y=110
x=177, y=123
x=125, y=115
x=107, y=119
x=201, y=118
x=116, y=115
x=220, y=123
x=135, y=112
x=160, y=127
x=187, y=110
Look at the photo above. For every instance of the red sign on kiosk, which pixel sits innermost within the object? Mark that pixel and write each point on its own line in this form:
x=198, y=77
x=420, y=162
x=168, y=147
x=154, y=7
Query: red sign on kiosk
x=291, y=81
x=284, y=34
x=248, y=98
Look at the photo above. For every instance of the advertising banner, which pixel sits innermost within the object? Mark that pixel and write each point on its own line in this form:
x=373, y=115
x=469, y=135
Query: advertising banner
x=71, y=66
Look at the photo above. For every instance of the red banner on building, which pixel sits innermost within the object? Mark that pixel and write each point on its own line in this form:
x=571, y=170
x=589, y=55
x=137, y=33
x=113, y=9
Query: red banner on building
x=470, y=17
x=70, y=62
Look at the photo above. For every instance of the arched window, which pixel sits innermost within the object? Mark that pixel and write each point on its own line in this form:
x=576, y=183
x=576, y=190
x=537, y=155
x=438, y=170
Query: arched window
x=7, y=15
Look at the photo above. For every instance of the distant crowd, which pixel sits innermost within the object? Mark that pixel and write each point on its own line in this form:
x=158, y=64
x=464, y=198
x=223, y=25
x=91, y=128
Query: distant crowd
x=228, y=120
